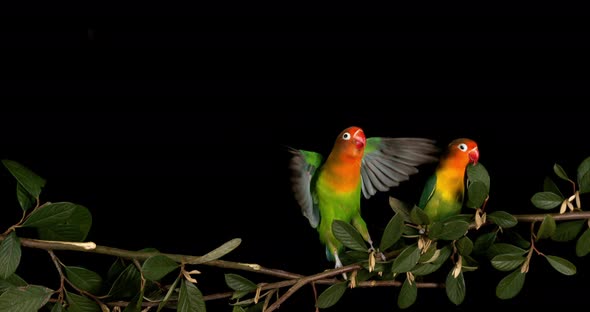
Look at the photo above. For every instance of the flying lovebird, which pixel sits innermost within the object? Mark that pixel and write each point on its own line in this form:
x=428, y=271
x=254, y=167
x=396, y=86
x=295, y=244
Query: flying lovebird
x=442, y=196
x=329, y=189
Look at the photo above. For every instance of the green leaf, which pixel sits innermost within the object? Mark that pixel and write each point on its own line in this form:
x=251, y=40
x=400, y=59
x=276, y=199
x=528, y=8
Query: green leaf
x=190, y=298
x=546, y=200
x=239, y=283
x=504, y=248
x=84, y=279
x=583, y=244
x=507, y=262
x=11, y=282
x=135, y=303
x=510, y=285
x=218, y=252
x=550, y=186
x=427, y=268
x=25, y=200
x=561, y=265
x=547, y=228
x=516, y=239
x=406, y=260
x=418, y=216
x=450, y=230
x=483, y=242
x=568, y=230
x=560, y=172
x=79, y=303
x=401, y=208
x=156, y=267
x=238, y=308
x=502, y=219
x=431, y=252
x=24, y=299
x=30, y=181
x=478, y=173
x=127, y=283
x=168, y=294
x=464, y=246
x=331, y=295
x=407, y=294
x=57, y=307
x=61, y=221
x=476, y=195
x=455, y=287
x=10, y=253
x=393, y=232
x=348, y=235
x=115, y=270
x=584, y=183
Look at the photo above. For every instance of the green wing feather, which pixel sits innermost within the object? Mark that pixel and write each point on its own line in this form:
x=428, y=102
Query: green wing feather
x=428, y=190
x=304, y=165
x=389, y=161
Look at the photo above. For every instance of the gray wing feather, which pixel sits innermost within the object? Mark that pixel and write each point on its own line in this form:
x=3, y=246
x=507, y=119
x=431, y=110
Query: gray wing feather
x=302, y=173
x=393, y=161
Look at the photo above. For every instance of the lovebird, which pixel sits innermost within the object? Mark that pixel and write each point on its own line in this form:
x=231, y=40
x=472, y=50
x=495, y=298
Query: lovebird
x=329, y=189
x=442, y=196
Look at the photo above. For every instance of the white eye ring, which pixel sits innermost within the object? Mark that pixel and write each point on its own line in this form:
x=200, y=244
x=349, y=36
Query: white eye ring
x=462, y=147
x=346, y=136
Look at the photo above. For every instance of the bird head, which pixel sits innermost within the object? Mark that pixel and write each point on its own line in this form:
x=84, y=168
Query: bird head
x=352, y=141
x=465, y=150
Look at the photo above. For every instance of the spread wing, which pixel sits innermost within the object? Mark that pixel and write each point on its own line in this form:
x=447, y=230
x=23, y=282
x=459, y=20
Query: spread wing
x=389, y=161
x=303, y=165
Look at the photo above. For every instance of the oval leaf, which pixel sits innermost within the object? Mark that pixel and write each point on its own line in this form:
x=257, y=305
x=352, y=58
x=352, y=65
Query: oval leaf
x=584, y=183
x=407, y=259
x=507, y=262
x=484, y=242
x=190, y=298
x=10, y=253
x=478, y=173
x=25, y=200
x=583, y=244
x=418, y=216
x=79, y=303
x=156, y=267
x=547, y=227
x=61, y=221
x=546, y=200
x=24, y=299
x=30, y=181
x=510, y=285
x=502, y=219
x=219, y=252
x=84, y=279
x=550, y=186
x=348, y=235
x=393, y=232
x=127, y=283
x=455, y=287
x=568, y=230
x=464, y=246
x=331, y=295
x=427, y=268
x=561, y=265
x=560, y=172
x=75, y=229
x=407, y=294
x=452, y=230
x=504, y=248
x=476, y=194
x=239, y=283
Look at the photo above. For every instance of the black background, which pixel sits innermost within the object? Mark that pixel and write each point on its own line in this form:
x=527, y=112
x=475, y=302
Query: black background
x=176, y=131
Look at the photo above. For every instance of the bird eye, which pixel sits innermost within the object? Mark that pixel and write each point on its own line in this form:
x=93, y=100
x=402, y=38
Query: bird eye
x=462, y=147
x=346, y=136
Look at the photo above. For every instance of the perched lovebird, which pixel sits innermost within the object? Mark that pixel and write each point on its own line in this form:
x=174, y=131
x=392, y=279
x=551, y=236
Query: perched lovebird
x=331, y=190
x=443, y=194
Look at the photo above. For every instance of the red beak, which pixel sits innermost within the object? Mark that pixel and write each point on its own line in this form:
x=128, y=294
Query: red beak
x=359, y=140
x=474, y=156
